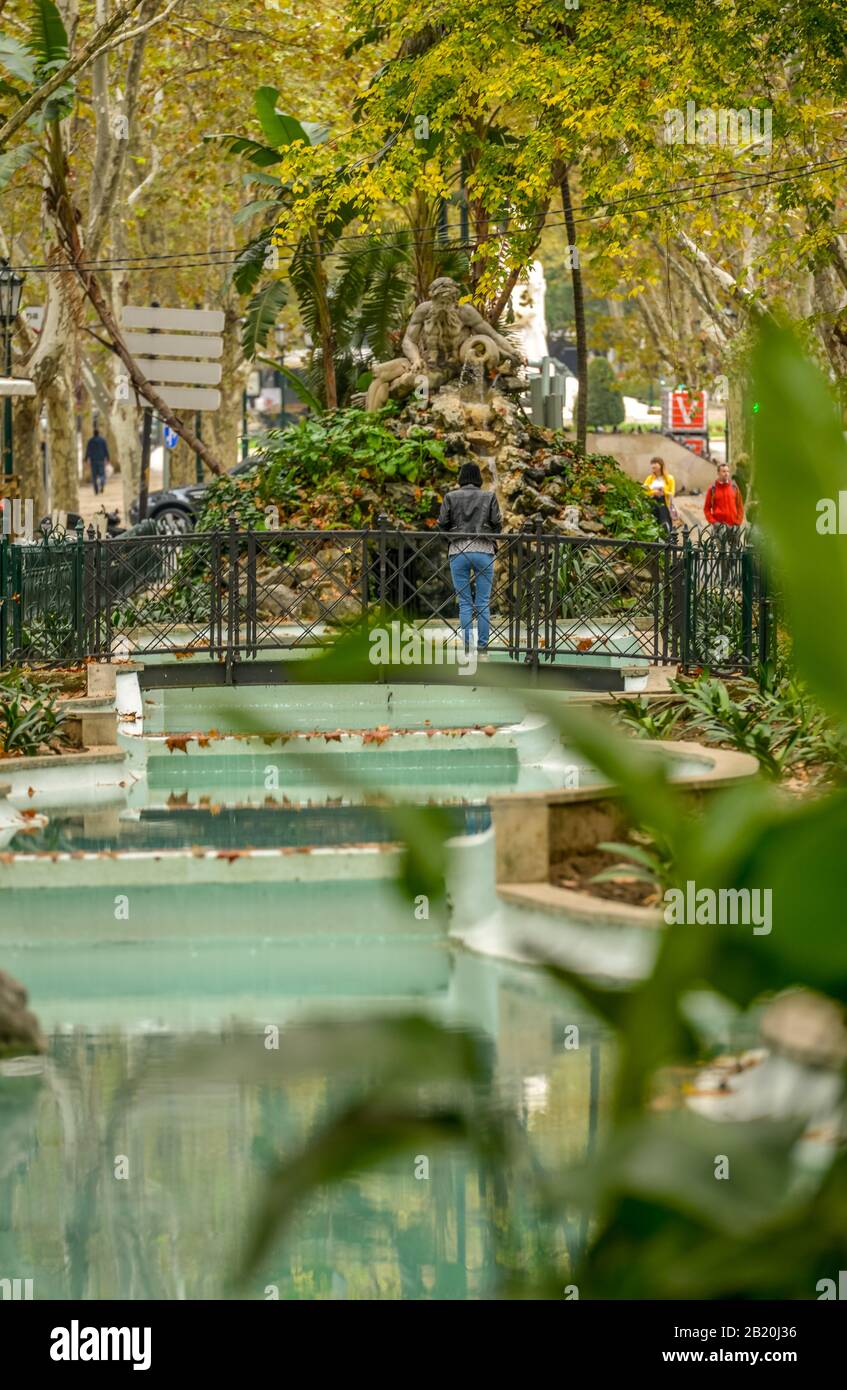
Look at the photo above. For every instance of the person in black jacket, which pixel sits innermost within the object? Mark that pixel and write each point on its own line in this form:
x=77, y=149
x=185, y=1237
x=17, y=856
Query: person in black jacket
x=469, y=509
x=97, y=455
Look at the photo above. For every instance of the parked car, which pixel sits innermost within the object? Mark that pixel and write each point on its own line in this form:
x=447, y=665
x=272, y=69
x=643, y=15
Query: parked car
x=179, y=508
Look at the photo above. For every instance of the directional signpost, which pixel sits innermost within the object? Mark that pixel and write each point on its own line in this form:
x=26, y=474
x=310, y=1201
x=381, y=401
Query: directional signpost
x=172, y=348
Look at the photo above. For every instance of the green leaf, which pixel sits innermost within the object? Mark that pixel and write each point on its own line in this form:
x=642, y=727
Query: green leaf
x=801, y=460
x=14, y=159
x=360, y=1138
x=294, y=381
x=48, y=37
x=256, y=153
x=251, y=209
x=250, y=263
x=17, y=60
x=261, y=316
x=278, y=129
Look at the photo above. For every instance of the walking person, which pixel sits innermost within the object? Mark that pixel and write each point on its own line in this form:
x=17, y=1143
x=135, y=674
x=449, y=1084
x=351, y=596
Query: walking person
x=724, y=511
x=723, y=505
x=97, y=455
x=660, y=488
x=470, y=508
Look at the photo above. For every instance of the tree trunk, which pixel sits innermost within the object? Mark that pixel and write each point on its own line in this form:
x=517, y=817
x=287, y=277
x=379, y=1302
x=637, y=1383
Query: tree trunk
x=740, y=429
x=327, y=333
x=51, y=370
x=62, y=444
x=579, y=316
x=26, y=414
x=223, y=427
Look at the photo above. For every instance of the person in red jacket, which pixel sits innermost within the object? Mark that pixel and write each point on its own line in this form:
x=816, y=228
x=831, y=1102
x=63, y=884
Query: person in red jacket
x=723, y=506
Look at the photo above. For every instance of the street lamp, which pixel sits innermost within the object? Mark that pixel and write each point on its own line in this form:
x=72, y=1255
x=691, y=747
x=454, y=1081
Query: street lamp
x=11, y=285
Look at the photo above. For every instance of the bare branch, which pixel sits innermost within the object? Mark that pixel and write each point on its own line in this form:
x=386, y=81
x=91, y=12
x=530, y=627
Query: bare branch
x=143, y=28
x=721, y=277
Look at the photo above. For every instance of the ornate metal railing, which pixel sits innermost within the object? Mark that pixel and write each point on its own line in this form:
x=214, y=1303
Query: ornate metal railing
x=690, y=600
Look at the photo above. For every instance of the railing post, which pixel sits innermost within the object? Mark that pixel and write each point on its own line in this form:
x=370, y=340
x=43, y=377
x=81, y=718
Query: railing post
x=687, y=599
x=216, y=596
x=747, y=605
x=382, y=523
x=251, y=601
x=5, y=596
x=79, y=591
x=536, y=594
x=232, y=611
x=764, y=632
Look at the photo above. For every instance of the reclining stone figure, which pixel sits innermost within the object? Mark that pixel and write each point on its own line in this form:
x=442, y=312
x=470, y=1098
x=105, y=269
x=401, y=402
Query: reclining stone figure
x=442, y=335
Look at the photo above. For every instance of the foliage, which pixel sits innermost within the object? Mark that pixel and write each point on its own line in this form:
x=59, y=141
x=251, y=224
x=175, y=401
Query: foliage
x=597, y=480
x=31, y=720
x=353, y=299
x=661, y=1226
x=649, y=863
x=28, y=66
x=338, y=470
x=775, y=719
x=647, y=718
x=605, y=402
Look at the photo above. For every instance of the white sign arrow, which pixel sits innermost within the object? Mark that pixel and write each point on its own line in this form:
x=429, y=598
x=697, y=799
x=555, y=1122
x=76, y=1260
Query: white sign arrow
x=173, y=345
x=16, y=386
x=193, y=373
x=190, y=398
x=185, y=320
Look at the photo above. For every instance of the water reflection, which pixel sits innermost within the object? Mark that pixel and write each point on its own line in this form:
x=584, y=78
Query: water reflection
x=195, y=1154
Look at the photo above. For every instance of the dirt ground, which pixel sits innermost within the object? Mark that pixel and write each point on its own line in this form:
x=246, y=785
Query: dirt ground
x=577, y=870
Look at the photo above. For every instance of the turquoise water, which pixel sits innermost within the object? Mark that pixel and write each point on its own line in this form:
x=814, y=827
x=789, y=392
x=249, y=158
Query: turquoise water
x=126, y=1172
x=116, y=1095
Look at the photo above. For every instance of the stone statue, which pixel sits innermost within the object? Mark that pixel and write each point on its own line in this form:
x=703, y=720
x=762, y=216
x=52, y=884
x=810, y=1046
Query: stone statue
x=442, y=335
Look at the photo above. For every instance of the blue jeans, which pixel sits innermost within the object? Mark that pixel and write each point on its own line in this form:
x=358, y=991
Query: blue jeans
x=98, y=475
x=482, y=567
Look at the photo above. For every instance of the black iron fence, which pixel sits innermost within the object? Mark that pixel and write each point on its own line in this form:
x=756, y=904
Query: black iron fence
x=694, y=600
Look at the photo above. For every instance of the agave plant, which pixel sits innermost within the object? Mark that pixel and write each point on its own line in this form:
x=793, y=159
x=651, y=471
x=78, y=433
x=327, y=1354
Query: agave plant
x=30, y=717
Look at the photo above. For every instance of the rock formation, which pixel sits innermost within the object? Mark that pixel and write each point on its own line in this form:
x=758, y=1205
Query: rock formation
x=19, y=1030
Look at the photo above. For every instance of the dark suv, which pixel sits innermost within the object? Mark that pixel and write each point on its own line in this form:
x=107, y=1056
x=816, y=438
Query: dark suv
x=179, y=508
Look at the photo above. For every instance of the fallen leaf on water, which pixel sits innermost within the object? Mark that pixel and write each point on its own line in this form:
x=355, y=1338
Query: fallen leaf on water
x=377, y=735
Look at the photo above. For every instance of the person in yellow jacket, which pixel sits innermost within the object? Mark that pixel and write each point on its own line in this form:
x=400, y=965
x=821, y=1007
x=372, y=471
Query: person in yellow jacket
x=660, y=488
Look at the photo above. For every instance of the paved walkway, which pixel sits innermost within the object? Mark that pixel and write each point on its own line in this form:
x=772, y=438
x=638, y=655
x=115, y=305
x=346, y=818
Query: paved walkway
x=112, y=499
